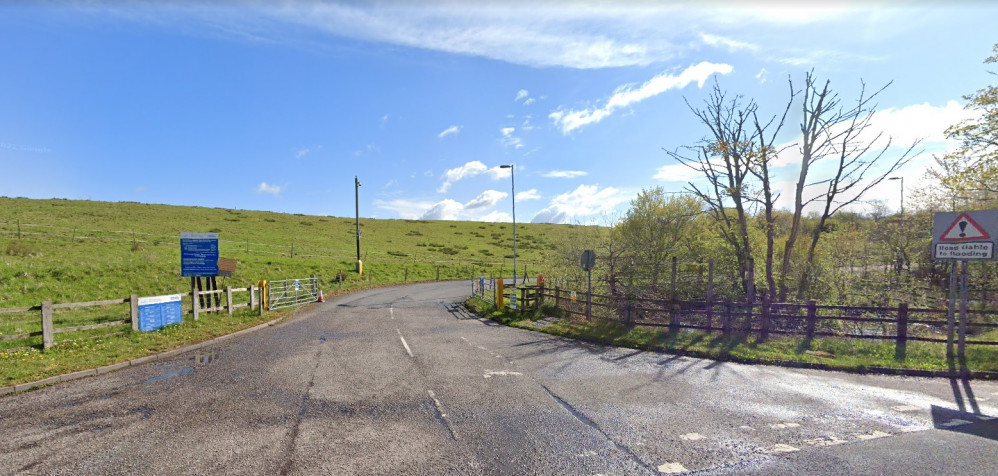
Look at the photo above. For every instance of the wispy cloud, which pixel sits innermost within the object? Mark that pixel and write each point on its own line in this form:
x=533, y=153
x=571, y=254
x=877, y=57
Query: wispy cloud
x=625, y=96
x=449, y=131
x=728, y=43
x=584, y=201
x=487, y=199
x=521, y=94
x=531, y=194
x=564, y=174
x=508, y=139
x=274, y=190
x=470, y=169
x=307, y=150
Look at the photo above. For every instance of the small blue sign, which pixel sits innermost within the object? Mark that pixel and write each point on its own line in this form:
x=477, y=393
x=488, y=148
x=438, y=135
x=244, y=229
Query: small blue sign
x=198, y=254
x=159, y=311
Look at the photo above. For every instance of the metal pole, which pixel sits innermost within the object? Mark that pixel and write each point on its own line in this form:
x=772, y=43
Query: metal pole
x=356, y=194
x=512, y=178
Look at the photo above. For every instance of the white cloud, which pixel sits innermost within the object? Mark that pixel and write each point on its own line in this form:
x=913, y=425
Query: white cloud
x=521, y=94
x=274, y=190
x=677, y=173
x=584, y=201
x=731, y=45
x=307, y=150
x=470, y=169
x=529, y=101
x=486, y=199
x=445, y=209
x=408, y=209
x=625, y=96
x=496, y=216
x=448, y=131
x=508, y=139
x=531, y=194
x=762, y=76
x=564, y=174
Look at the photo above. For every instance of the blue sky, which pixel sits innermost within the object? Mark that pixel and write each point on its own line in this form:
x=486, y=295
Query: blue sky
x=255, y=106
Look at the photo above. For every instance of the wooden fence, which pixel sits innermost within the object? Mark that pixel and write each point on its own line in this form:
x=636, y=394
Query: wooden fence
x=901, y=323
x=202, y=301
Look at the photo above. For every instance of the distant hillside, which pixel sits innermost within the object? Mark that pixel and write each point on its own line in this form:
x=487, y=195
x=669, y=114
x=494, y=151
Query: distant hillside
x=77, y=250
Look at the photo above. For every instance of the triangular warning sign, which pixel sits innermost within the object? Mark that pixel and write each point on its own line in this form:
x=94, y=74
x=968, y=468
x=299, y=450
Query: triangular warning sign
x=964, y=228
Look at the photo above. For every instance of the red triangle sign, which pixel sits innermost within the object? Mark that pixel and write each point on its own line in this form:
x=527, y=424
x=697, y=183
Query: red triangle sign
x=964, y=228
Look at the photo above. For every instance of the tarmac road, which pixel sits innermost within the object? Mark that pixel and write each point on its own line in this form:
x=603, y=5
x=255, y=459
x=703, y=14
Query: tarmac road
x=404, y=381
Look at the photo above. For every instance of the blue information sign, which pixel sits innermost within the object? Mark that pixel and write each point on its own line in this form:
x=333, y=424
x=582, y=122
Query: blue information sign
x=198, y=254
x=159, y=311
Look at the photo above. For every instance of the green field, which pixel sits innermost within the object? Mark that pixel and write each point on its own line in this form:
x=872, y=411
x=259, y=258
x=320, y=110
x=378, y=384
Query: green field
x=72, y=251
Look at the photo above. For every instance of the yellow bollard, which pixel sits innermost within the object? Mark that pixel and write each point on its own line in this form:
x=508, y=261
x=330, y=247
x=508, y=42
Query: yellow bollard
x=499, y=294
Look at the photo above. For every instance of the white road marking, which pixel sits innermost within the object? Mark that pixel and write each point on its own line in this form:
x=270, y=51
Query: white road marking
x=405, y=344
x=872, y=436
x=436, y=403
x=672, y=468
x=500, y=373
x=830, y=440
x=498, y=356
x=956, y=422
x=780, y=426
x=782, y=448
x=906, y=408
x=746, y=427
x=692, y=436
x=391, y=311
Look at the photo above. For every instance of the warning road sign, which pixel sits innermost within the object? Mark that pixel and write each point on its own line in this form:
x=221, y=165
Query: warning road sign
x=965, y=236
x=964, y=228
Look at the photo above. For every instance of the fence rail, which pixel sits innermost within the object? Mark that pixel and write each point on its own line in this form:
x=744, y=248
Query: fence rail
x=900, y=323
x=201, y=301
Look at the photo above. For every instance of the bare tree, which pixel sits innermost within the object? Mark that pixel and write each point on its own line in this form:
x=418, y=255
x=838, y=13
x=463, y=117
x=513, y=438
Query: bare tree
x=725, y=159
x=843, y=136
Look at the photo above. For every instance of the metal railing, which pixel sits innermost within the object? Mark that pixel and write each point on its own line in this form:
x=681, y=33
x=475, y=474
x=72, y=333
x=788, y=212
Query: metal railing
x=287, y=293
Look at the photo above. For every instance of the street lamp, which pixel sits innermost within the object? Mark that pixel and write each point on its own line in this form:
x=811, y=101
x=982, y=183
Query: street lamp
x=512, y=179
x=902, y=193
x=356, y=196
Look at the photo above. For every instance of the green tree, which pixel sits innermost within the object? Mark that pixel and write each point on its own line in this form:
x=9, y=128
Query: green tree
x=969, y=175
x=656, y=228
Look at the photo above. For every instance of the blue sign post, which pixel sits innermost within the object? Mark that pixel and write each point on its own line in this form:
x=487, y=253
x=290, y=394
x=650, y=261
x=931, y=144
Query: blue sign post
x=159, y=311
x=198, y=254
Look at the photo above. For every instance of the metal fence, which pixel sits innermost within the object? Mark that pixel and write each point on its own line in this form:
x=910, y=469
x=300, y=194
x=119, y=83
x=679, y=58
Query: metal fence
x=287, y=293
x=485, y=289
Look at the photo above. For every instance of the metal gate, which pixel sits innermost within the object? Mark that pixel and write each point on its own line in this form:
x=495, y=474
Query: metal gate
x=485, y=289
x=292, y=292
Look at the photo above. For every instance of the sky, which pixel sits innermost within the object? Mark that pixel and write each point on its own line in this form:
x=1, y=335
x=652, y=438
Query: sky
x=277, y=106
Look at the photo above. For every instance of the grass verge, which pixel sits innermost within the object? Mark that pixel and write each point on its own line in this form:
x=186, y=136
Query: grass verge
x=828, y=353
x=86, y=350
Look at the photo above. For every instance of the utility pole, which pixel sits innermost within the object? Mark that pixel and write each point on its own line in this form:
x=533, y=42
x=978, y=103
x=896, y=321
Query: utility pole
x=512, y=178
x=356, y=195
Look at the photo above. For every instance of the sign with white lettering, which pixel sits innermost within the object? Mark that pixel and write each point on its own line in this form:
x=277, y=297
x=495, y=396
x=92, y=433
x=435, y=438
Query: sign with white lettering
x=198, y=254
x=964, y=236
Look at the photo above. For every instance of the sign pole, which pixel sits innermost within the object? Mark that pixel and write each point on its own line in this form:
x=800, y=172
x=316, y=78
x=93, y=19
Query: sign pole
x=951, y=311
x=962, y=342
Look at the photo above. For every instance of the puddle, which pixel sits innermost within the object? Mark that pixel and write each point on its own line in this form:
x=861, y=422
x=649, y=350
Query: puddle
x=205, y=358
x=178, y=373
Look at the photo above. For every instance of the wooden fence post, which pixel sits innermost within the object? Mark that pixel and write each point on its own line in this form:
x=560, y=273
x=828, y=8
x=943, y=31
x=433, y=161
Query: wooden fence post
x=557, y=297
x=194, y=299
x=672, y=283
x=673, y=315
x=726, y=319
x=48, y=330
x=765, y=324
x=812, y=319
x=901, y=346
x=228, y=299
x=710, y=294
x=133, y=308
x=252, y=297
x=438, y=273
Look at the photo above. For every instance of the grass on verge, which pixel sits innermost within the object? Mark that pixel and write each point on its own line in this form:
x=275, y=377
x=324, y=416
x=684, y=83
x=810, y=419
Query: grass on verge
x=841, y=354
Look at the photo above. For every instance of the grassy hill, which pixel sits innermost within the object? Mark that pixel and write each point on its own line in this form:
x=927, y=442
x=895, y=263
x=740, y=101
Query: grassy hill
x=77, y=250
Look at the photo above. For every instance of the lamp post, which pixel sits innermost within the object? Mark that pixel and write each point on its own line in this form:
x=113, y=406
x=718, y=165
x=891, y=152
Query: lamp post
x=902, y=193
x=512, y=179
x=356, y=196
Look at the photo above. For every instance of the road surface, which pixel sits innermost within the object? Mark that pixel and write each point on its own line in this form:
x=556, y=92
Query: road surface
x=405, y=381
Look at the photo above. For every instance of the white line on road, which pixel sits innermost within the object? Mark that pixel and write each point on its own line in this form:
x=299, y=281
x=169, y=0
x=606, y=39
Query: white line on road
x=437, y=404
x=782, y=448
x=906, y=408
x=405, y=344
x=672, y=468
x=692, y=437
x=391, y=311
x=872, y=436
x=500, y=373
